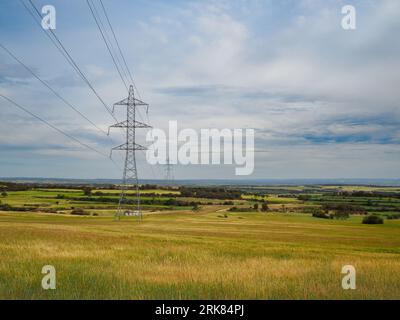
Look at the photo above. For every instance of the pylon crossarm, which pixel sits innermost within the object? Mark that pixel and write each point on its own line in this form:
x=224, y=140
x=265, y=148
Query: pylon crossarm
x=141, y=125
x=122, y=124
x=135, y=102
x=140, y=103
x=126, y=147
x=121, y=147
x=136, y=124
x=124, y=102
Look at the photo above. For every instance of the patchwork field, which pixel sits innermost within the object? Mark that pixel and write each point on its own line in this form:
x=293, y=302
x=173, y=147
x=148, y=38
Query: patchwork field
x=208, y=253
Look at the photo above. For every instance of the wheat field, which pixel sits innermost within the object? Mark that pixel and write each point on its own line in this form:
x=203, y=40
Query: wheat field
x=200, y=255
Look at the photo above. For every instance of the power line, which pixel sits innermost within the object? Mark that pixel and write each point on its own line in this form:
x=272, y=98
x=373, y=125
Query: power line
x=125, y=72
x=110, y=42
x=110, y=47
x=67, y=55
x=119, y=48
x=50, y=38
x=50, y=88
x=98, y=21
x=53, y=127
x=58, y=44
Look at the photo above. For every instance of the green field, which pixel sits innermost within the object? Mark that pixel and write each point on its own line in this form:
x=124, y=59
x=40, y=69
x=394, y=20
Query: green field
x=210, y=253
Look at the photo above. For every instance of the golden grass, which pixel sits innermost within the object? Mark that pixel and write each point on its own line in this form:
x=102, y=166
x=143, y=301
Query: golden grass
x=197, y=256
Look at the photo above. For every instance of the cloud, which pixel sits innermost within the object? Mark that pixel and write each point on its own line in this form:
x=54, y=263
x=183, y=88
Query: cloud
x=13, y=74
x=319, y=97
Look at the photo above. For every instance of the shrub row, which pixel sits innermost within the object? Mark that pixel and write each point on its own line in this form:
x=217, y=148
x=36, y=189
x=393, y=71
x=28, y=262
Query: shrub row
x=336, y=215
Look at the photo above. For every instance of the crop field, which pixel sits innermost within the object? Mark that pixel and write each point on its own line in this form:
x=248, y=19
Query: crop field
x=190, y=247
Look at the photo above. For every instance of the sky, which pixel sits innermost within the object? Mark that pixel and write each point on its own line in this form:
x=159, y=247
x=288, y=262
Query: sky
x=323, y=101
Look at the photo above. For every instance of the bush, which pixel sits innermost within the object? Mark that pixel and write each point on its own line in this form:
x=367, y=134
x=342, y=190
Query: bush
x=321, y=215
x=372, y=220
x=341, y=215
x=236, y=209
x=4, y=194
x=343, y=207
x=5, y=207
x=79, y=212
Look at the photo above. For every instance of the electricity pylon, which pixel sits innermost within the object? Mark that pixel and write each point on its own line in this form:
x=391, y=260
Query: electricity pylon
x=169, y=175
x=130, y=175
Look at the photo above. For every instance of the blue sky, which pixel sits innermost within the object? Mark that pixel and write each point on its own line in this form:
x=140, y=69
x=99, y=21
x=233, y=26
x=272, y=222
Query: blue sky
x=324, y=101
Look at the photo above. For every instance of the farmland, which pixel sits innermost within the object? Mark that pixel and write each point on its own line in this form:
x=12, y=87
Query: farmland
x=200, y=244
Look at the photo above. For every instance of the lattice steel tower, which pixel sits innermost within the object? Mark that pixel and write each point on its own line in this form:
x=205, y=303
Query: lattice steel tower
x=130, y=176
x=169, y=174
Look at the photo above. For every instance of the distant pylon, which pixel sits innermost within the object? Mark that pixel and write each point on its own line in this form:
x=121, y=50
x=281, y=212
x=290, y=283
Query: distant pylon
x=130, y=175
x=169, y=174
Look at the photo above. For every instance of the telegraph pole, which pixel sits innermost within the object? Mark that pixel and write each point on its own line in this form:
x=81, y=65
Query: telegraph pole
x=130, y=175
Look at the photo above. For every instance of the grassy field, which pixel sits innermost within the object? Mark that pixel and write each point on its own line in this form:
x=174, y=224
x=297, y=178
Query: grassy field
x=197, y=255
x=183, y=251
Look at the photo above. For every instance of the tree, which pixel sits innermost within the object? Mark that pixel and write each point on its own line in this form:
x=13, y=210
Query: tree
x=87, y=192
x=4, y=194
x=304, y=197
x=341, y=215
x=255, y=206
x=264, y=207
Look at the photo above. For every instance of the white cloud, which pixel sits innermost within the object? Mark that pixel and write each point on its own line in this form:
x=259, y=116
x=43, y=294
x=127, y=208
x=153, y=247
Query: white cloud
x=298, y=78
